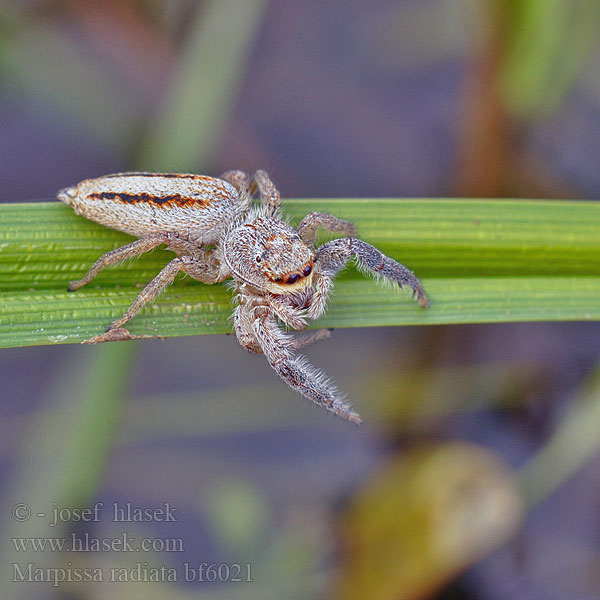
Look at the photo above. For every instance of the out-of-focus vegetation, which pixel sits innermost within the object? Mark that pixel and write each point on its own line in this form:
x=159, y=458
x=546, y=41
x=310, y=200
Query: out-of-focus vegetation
x=547, y=43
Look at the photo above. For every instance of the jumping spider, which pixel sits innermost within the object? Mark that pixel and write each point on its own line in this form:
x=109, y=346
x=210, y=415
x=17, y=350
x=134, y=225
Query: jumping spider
x=216, y=232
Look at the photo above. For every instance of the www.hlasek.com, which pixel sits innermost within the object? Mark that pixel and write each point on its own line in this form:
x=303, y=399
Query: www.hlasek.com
x=86, y=543
x=140, y=572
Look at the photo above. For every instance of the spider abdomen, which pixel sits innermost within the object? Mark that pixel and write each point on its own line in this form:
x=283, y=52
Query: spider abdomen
x=196, y=206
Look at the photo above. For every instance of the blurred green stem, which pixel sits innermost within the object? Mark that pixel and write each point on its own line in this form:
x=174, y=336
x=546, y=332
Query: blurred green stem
x=573, y=444
x=204, y=87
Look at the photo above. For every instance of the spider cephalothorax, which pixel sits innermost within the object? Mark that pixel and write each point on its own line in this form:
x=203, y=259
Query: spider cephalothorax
x=216, y=232
x=269, y=254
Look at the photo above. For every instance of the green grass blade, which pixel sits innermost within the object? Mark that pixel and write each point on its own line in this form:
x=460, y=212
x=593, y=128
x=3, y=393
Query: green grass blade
x=480, y=261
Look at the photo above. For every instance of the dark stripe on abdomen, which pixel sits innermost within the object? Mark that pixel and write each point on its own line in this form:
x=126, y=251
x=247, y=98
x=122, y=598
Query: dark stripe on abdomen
x=144, y=198
x=165, y=175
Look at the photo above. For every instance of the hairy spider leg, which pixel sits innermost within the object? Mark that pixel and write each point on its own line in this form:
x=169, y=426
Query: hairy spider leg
x=296, y=371
x=144, y=244
x=333, y=256
x=307, y=229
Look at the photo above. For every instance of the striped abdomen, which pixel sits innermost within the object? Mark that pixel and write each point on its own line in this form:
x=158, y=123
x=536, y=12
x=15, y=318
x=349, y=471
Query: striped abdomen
x=195, y=206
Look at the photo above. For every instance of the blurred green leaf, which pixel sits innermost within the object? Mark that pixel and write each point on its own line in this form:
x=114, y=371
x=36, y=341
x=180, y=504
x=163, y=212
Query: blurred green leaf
x=422, y=518
x=548, y=42
x=63, y=452
x=204, y=87
x=481, y=261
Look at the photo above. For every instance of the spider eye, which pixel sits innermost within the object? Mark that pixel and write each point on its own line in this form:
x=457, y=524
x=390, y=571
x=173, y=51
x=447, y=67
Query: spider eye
x=307, y=271
x=258, y=259
x=292, y=278
x=278, y=280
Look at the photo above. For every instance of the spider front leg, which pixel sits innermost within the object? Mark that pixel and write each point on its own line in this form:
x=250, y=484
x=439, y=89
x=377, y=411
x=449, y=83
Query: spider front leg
x=287, y=312
x=242, y=322
x=296, y=371
x=307, y=229
x=333, y=256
